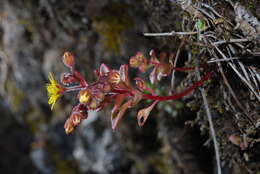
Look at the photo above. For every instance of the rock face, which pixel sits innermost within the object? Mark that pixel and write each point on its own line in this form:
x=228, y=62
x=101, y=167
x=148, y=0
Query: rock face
x=33, y=36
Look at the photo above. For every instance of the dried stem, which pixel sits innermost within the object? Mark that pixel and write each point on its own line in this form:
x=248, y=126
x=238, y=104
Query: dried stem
x=230, y=41
x=238, y=73
x=222, y=60
x=175, y=63
x=233, y=94
x=212, y=130
x=173, y=33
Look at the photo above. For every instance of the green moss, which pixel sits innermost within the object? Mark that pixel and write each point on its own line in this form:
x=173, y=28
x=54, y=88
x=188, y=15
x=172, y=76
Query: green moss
x=250, y=5
x=110, y=25
x=34, y=120
x=27, y=23
x=159, y=163
x=62, y=166
x=16, y=95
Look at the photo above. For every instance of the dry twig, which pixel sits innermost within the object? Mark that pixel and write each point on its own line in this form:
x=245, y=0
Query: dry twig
x=175, y=63
x=209, y=116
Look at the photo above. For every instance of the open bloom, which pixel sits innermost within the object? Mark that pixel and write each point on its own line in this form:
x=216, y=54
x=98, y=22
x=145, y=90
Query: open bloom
x=54, y=90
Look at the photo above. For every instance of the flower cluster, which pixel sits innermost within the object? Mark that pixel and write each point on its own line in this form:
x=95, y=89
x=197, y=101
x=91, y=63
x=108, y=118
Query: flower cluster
x=113, y=86
x=162, y=67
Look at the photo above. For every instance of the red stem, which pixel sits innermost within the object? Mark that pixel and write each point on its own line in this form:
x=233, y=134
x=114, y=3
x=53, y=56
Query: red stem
x=73, y=88
x=81, y=79
x=184, y=93
x=176, y=68
x=183, y=69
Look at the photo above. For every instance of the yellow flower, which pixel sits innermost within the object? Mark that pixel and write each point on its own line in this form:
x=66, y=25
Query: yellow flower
x=54, y=90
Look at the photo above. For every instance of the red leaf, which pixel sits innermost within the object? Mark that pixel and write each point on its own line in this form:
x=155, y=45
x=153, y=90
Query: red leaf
x=123, y=71
x=162, y=56
x=153, y=76
x=103, y=70
x=137, y=97
x=116, y=119
x=118, y=101
x=144, y=113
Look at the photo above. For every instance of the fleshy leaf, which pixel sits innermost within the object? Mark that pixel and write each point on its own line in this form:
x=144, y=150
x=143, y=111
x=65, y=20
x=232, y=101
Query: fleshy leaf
x=153, y=76
x=144, y=113
x=123, y=71
x=162, y=56
x=118, y=101
x=116, y=119
x=103, y=69
x=137, y=97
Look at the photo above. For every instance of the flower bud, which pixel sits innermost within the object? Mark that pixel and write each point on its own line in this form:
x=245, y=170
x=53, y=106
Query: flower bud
x=114, y=77
x=84, y=114
x=68, y=59
x=68, y=78
x=68, y=126
x=137, y=60
x=81, y=109
x=76, y=118
x=94, y=104
x=134, y=62
x=99, y=96
x=144, y=66
x=140, y=83
x=84, y=96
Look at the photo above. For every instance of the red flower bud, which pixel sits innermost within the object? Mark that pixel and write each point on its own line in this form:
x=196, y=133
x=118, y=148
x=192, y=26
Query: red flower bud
x=68, y=59
x=84, y=96
x=68, y=126
x=82, y=109
x=114, y=77
x=76, y=118
x=68, y=78
x=144, y=66
x=137, y=60
x=134, y=62
x=93, y=105
x=140, y=83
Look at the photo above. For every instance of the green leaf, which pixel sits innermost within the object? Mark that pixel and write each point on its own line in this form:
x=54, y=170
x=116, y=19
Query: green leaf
x=201, y=25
